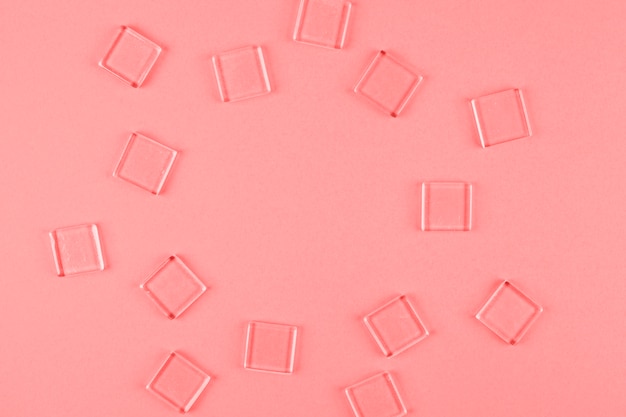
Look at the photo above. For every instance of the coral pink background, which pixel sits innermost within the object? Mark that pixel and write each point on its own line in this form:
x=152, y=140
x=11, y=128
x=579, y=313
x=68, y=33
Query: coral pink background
x=302, y=207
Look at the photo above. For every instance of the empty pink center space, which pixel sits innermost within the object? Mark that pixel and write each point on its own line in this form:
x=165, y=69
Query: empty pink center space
x=270, y=347
x=145, y=163
x=173, y=288
x=501, y=117
x=131, y=56
x=508, y=313
x=395, y=326
x=179, y=382
x=77, y=250
x=323, y=22
x=446, y=206
x=241, y=73
x=376, y=397
x=388, y=83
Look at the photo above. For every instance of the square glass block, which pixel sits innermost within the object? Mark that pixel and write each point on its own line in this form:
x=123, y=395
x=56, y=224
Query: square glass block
x=77, y=249
x=270, y=347
x=173, y=287
x=131, y=57
x=501, y=117
x=509, y=313
x=395, y=326
x=446, y=206
x=145, y=163
x=178, y=382
x=376, y=396
x=323, y=22
x=241, y=73
x=388, y=83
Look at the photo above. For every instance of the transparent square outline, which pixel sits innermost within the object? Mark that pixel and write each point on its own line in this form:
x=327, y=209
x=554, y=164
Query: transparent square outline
x=221, y=83
x=293, y=330
x=479, y=128
x=469, y=202
x=147, y=69
x=392, y=384
x=524, y=329
x=127, y=149
x=58, y=262
x=372, y=66
x=378, y=337
x=190, y=364
x=171, y=314
x=297, y=36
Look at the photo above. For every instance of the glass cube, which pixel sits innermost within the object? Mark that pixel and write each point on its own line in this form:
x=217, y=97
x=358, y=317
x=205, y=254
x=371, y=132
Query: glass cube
x=323, y=22
x=509, y=313
x=446, y=206
x=131, y=57
x=395, y=326
x=501, y=117
x=270, y=347
x=178, y=382
x=376, y=396
x=145, y=163
x=241, y=73
x=173, y=287
x=388, y=83
x=77, y=249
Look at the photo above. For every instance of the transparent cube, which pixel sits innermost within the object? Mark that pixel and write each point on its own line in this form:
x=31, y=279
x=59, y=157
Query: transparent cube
x=323, y=22
x=376, y=396
x=446, y=206
x=178, y=382
x=509, y=313
x=145, y=163
x=77, y=249
x=131, y=57
x=270, y=347
x=388, y=83
x=173, y=287
x=501, y=117
x=241, y=73
x=395, y=326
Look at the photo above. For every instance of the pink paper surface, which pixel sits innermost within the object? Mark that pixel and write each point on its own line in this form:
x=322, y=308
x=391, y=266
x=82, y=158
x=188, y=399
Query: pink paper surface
x=302, y=207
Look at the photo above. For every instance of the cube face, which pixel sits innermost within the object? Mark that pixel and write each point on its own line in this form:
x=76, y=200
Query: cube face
x=77, y=249
x=323, y=22
x=270, y=347
x=376, y=396
x=509, y=313
x=501, y=117
x=388, y=83
x=145, y=163
x=131, y=57
x=446, y=206
x=241, y=73
x=178, y=382
x=395, y=326
x=173, y=287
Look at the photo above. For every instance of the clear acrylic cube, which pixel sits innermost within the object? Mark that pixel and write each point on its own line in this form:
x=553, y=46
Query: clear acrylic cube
x=396, y=326
x=145, y=163
x=323, y=22
x=241, y=73
x=501, y=117
x=77, y=249
x=270, y=347
x=376, y=396
x=178, y=382
x=388, y=83
x=173, y=287
x=131, y=57
x=446, y=206
x=509, y=313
